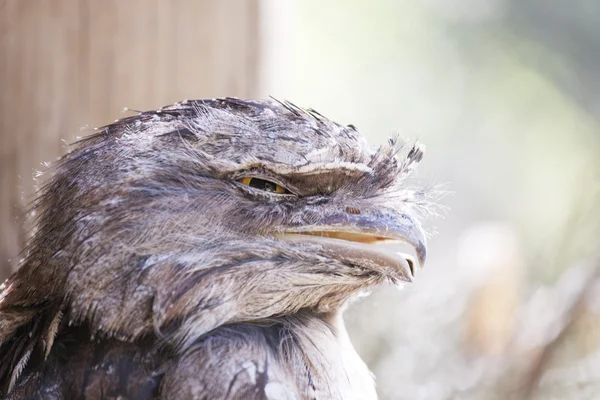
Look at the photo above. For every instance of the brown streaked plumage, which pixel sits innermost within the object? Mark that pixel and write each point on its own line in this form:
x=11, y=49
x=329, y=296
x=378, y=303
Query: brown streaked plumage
x=206, y=250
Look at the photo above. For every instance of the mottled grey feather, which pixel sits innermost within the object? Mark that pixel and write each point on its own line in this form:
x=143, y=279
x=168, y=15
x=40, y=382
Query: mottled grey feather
x=155, y=273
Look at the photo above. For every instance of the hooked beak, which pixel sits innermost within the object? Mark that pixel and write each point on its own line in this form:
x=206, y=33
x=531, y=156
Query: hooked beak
x=354, y=239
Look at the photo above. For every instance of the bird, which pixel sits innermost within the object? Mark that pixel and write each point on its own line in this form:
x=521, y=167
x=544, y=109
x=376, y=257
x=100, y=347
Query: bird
x=208, y=250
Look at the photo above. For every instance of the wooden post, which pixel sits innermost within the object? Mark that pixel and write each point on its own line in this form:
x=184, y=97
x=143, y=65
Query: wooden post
x=66, y=64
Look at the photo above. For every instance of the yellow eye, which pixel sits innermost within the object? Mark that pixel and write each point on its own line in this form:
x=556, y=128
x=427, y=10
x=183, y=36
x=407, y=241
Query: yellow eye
x=261, y=184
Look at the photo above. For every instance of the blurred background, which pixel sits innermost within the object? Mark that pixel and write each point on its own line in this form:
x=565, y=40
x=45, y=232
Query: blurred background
x=504, y=93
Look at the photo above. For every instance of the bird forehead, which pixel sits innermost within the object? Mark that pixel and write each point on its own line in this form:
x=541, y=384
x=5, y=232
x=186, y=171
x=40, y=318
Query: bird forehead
x=303, y=154
x=244, y=132
x=272, y=133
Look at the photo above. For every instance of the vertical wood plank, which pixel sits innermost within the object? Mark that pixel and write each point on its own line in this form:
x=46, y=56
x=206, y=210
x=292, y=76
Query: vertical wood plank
x=70, y=63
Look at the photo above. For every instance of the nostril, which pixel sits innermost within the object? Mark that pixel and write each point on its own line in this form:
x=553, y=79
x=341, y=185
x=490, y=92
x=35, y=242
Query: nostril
x=353, y=210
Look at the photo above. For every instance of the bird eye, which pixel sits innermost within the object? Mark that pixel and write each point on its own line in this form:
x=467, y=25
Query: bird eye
x=262, y=184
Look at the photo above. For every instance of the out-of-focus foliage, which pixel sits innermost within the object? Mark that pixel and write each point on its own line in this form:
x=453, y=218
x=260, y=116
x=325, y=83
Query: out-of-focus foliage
x=506, y=96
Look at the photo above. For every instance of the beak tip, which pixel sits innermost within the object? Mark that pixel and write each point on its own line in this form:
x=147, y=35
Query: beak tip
x=411, y=265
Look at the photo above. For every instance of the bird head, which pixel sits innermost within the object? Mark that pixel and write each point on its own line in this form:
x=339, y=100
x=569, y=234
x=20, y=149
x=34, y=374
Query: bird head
x=210, y=212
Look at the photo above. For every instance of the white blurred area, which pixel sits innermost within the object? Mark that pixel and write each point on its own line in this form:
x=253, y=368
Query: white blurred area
x=504, y=97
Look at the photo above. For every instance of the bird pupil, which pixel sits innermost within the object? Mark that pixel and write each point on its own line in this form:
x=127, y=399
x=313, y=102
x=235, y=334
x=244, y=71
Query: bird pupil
x=263, y=185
